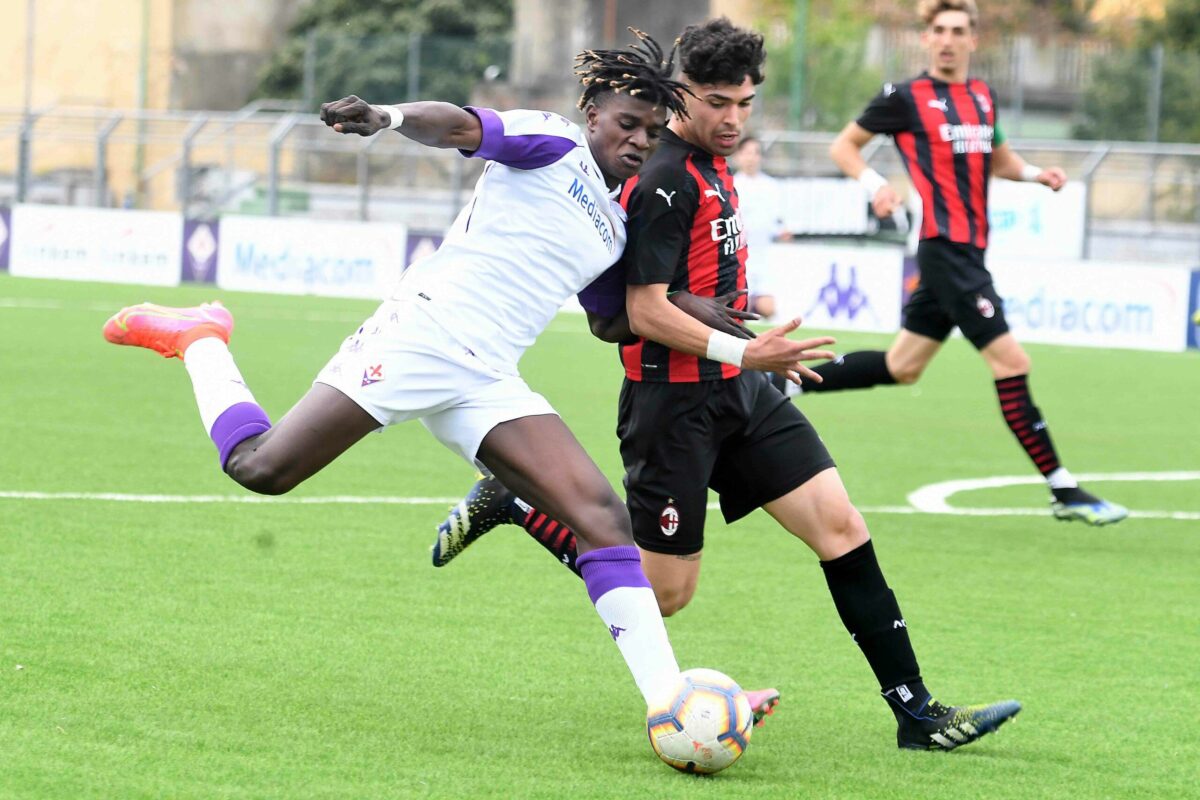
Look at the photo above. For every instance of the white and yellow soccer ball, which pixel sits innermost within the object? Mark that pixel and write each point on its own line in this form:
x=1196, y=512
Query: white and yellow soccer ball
x=704, y=725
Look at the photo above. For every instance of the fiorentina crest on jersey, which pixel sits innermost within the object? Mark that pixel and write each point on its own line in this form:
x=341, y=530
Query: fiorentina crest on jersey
x=668, y=520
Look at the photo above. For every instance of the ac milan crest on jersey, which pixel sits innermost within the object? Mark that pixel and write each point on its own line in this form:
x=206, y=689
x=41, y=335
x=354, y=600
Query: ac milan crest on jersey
x=668, y=520
x=986, y=309
x=372, y=374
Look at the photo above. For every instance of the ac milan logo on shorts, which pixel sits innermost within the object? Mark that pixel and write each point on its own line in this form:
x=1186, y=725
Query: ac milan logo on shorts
x=373, y=374
x=668, y=520
x=986, y=309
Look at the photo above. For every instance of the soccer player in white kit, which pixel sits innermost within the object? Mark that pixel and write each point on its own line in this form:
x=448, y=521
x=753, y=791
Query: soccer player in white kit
x=542, y=224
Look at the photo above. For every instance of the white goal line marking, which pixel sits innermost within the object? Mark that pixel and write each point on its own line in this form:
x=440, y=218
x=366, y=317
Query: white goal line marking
x=931, y=499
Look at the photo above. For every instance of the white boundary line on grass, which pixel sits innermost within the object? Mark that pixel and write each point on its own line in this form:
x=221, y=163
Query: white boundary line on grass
x=931, y=499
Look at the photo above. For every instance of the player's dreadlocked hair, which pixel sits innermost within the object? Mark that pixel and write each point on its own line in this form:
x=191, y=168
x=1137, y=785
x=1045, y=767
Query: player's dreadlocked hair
x=719, y=52
x=640, y=70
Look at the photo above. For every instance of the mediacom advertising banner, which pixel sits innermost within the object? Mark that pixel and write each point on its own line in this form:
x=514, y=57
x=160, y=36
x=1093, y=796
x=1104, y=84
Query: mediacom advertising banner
x=1029, y=220
x=305, y=256
x=96, y=244
x=5, y=237
x=838, y=288
x=1094, y=303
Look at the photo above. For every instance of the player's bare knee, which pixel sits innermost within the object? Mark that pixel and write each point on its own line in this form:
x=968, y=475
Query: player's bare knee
x=844, y=529
x=604, y=521
x=672, y=600
x=257, y=474
x=906, y=374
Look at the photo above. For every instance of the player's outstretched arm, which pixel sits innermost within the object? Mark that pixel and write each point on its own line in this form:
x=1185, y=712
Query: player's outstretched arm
x=1010, y=166
x=654, y=316
x=431, y=123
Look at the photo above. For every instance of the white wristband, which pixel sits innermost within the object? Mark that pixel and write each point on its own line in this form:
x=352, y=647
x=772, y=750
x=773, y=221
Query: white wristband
x=726, y=348
x=872, y=181
x=394, y=113
x=1029, y=173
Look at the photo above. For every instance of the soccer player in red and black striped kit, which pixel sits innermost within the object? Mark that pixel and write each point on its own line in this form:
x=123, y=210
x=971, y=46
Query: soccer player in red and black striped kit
x=694, y=414
x=944, y=125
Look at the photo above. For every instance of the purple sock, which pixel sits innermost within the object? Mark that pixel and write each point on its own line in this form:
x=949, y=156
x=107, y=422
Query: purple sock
x=610, y=568
x=237, y=424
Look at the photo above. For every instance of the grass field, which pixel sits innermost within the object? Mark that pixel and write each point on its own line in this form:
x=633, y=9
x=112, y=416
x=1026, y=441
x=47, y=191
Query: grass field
x=286, y=649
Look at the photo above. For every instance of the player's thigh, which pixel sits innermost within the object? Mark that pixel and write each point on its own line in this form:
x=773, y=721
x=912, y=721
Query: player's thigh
x=1005, y=357
x=820, y=514
x=775, y=450
x=668, y=447
x=674, y=578
x=319, y=428
x=539, y=459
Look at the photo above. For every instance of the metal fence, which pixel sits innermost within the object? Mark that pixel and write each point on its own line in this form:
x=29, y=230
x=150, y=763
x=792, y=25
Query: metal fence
x=1143, y=199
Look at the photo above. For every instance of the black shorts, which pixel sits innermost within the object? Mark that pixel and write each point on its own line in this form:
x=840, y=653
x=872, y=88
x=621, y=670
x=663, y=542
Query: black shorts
x=740, y=436
x=955, y=289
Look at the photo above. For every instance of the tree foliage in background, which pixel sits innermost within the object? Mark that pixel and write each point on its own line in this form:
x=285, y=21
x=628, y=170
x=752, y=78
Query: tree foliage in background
x=362, y=47
x=1116, y=103
x=837, y=83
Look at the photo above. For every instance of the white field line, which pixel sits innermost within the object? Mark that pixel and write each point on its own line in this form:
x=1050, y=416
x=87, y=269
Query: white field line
x=934, y=498
x=927, y=500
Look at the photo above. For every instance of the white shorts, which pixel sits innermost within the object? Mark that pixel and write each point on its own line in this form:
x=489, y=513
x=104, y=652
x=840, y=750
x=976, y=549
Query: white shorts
x=401, y=365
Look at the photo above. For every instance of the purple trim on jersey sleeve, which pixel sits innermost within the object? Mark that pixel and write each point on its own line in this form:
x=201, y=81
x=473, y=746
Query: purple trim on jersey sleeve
x=235, y=425
x=527, y=151
x=605, y=296
x=611, y=568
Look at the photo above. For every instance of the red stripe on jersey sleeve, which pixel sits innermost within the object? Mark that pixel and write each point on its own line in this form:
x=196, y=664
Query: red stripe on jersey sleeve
x=942, y=159
x=907, y=144
x=976, y=177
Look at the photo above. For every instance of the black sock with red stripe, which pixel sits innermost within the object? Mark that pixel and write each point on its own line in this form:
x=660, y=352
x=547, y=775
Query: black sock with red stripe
x=1025, y=421
x=549, y=533
x=860, y=370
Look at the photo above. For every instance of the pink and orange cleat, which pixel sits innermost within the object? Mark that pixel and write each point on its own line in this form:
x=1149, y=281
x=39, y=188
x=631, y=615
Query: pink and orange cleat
x=168, y=331
x=762, y=703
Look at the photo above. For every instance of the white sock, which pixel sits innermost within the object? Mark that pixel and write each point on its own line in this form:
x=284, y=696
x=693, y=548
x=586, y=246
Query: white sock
x=215, y=379
x=636, y=625
x=1061, y=479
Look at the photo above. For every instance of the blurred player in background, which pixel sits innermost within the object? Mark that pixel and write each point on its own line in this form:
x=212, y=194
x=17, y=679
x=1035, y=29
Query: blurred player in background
x=543, y=222
x=695, y=413
x=761, y=203
x=944, y=125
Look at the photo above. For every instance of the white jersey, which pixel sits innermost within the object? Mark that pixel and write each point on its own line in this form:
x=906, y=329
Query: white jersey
x=760, y=201
x=540, y=226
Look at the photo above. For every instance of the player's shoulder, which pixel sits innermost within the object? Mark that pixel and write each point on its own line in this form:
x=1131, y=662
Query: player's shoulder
x=669, y=169
x=529, y=122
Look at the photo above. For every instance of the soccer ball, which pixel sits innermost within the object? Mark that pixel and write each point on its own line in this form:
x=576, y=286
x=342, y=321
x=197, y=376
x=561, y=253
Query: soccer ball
x=704, y=725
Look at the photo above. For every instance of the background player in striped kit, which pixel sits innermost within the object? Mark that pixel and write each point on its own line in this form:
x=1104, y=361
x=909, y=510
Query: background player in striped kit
x=692, y=416
x=944, y=125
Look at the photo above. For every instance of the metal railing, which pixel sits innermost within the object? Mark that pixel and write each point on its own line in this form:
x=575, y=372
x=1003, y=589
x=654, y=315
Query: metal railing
x=1143, y=199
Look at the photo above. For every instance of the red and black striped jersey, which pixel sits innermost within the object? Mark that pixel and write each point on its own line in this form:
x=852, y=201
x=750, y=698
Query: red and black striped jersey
x=684, y=230
x=944, y=132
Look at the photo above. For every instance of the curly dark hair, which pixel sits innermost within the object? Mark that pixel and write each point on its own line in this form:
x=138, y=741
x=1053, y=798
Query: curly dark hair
x=640, y=70
x=720, y=52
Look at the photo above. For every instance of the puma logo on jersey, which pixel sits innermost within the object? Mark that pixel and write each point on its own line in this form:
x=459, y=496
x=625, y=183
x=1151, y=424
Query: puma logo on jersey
x=666, y=196
x=714, y=193
x=939, y=103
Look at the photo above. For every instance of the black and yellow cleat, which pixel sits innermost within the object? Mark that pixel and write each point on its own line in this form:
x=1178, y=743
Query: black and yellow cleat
x=487, y=505
x=937, y=727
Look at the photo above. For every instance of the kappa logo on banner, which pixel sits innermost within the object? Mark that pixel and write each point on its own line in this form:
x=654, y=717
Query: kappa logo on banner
x=373, y=374
x=838, y=300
